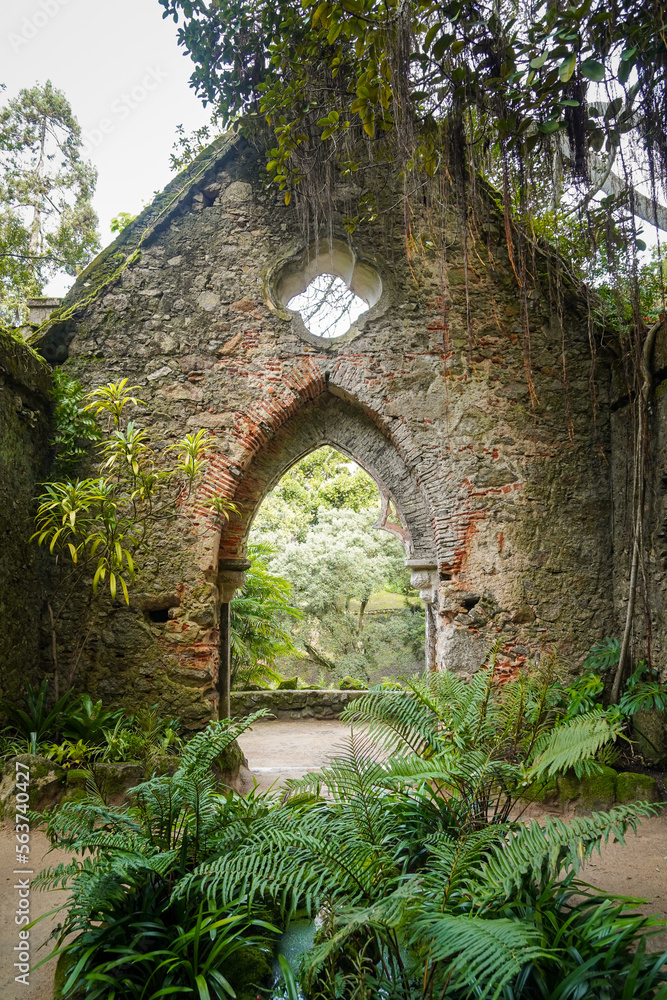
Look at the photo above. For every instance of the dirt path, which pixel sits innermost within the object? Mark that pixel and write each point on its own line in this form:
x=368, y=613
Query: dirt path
x=40, y=981
x=288, y=749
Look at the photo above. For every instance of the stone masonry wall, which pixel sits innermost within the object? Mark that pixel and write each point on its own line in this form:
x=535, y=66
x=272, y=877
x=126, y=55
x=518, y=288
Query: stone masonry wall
x=25, y=456
x=650, y=628
x=505, y=496
x=323, y=704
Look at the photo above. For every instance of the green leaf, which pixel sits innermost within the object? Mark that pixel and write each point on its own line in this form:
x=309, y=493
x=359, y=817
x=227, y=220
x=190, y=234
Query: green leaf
x=548, y=127
x=567, y=67
x=202, y=987
x=593, y=70
x=318, y=13
x=440, y=46
x=430, y=35
x=288, y=976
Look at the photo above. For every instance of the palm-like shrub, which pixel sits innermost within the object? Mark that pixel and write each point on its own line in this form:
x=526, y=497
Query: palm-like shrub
x=133, y=937
x=261, y=615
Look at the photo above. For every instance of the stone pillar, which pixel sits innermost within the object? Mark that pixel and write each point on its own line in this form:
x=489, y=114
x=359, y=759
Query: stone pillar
x=231, y=577
x=424, y=578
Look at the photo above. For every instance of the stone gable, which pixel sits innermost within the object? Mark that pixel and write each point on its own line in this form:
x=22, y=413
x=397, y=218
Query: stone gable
x=503, y=493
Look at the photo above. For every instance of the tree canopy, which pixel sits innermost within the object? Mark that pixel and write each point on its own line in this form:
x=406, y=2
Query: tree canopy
x=47, y=222
x=323, y=480
x=430, y=85
x=319, y=522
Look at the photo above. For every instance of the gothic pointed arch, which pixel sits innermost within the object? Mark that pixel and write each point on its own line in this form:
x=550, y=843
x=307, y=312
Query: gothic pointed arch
x=331, y=418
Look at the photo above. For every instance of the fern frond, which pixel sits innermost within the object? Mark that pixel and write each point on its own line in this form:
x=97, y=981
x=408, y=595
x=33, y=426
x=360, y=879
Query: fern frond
x=396, y=720
x=573, y=744
x=539, y=852
x=480, y=955
x=200, y=752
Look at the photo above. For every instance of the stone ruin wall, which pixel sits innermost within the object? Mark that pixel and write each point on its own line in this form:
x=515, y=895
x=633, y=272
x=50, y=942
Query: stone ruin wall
x=507, y=509
x=650, y=621
x=25, y=459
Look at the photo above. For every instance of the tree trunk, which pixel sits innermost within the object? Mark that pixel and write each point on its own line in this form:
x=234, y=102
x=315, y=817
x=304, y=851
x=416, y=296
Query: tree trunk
x=639, y=495
x=36, y=225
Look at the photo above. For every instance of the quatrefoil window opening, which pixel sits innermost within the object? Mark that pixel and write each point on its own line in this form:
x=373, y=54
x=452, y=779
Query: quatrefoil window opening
x=330, y=288
x=328, y=306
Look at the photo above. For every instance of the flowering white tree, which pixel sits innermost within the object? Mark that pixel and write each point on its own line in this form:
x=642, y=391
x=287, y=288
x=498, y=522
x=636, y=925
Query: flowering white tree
x=341, y=558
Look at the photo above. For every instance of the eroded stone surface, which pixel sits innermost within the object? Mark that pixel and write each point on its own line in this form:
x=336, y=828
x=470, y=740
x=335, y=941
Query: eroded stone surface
x=25, y=458
x=503, y=486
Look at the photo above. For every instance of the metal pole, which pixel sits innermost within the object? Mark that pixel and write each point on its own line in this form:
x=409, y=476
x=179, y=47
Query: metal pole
x=430, y=639
x=225, y=664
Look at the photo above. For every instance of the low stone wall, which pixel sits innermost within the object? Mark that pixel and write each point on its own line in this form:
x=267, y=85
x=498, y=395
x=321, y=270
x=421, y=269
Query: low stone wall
x=568, y=795
x=307, y=704
x=51, y=785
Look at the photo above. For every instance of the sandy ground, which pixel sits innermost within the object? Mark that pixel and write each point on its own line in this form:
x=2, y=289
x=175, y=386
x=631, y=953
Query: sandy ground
x=40, y=986
x=288, y=749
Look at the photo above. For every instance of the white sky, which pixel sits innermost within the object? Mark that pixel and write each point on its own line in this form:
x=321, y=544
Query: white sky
x=122, y=70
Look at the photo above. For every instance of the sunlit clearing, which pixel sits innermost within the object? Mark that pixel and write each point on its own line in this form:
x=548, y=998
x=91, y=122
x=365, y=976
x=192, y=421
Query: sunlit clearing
x=328, y=307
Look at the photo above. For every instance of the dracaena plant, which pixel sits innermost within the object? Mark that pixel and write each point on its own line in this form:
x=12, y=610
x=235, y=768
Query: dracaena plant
x=99, y=527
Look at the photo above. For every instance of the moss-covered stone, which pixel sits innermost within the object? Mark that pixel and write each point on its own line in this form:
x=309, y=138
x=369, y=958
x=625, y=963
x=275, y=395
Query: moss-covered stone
x=569, y=787
x=114, y=779
x=632, y=787
x=63, y=969
x=288, y=684
x=590, y=793
x=46, y=784
x=73, y=795
x=248, y=972
x=228, y=766
x=352, y=684
x=76, y=778
x=543, y=791
x=25, y=457
x=598, y=791
x=649, y=730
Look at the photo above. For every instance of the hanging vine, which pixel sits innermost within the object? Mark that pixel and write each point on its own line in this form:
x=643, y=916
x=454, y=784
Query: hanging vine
x=553, y=111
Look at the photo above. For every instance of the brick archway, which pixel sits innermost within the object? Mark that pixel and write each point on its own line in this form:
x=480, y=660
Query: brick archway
x=331, y=418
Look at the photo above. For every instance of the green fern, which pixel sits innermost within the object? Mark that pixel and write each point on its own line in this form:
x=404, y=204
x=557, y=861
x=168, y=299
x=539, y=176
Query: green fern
x=539, y=851
x=478, y=956
x=574, y=744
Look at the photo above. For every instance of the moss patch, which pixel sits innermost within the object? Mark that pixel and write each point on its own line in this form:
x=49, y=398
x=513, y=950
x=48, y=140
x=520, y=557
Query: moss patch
x=588, y=794
x=248, y=972
x=636, y=788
